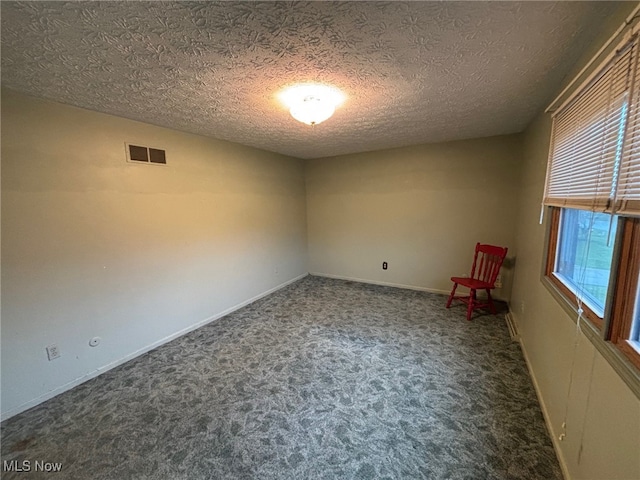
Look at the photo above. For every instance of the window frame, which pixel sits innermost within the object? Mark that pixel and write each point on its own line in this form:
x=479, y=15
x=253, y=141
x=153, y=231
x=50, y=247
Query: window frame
x=614, y=328
x=621, y=318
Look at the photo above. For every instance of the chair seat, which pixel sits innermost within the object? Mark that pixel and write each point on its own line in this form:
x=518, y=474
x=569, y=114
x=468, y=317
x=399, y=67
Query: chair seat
x=471, y=283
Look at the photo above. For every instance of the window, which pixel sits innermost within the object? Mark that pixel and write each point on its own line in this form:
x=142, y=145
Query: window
x=593, y=191
x=635, y=329
x=584, y=256
x=597, y=269
x=634, y=338
x=624, y=323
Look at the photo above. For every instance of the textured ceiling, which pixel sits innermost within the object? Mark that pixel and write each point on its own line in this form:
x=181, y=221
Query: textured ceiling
x=413, y=73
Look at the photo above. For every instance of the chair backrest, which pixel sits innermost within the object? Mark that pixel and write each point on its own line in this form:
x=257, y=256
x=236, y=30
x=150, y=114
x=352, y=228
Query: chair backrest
x=487, y=261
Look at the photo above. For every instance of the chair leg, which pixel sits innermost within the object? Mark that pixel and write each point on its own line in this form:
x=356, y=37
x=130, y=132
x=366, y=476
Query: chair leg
x=453, y=291
x=472, y=301
x=491, y=305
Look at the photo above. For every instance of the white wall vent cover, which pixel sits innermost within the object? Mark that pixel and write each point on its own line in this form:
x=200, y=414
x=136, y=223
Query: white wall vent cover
x=140, y=154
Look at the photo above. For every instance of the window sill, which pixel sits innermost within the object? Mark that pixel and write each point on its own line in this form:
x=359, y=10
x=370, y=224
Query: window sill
x=623, y=367
x=586, y=298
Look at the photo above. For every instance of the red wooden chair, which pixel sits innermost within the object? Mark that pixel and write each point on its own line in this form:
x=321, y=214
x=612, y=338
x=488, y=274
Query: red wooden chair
x=484, y=271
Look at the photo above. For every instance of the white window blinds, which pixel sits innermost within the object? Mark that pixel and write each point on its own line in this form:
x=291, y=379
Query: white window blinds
x=628, y=188
x=594, y=161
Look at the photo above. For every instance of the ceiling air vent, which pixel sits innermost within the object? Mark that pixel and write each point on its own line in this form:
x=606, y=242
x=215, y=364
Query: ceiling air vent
x=139, y=154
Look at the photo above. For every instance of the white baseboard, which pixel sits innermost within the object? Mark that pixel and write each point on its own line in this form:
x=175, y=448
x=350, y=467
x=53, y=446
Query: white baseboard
x=74, y=383
x=385, y=284
x=543, y=407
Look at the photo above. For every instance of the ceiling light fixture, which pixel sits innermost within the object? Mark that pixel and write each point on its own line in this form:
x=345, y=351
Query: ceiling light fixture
x=311, y=103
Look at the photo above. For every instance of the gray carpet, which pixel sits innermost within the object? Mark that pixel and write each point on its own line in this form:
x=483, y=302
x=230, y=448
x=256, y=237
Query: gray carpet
x=325, y=379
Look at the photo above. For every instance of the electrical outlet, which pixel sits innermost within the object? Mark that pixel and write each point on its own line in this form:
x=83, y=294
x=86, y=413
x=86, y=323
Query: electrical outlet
x=384, y=265
x=53, y=352
x=499, y=281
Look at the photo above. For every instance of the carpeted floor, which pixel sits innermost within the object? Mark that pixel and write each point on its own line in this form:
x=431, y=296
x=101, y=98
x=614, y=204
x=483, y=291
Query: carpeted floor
x=325, y=379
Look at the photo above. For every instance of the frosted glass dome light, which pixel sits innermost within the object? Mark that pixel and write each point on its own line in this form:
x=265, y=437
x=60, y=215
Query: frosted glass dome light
x=312, y=110
x=310, y=103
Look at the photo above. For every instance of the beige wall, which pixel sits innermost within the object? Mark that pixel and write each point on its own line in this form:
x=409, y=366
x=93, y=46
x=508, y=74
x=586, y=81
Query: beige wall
x=572, y=377
x=421, y=209
x=603, y=414
x=95, y=246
